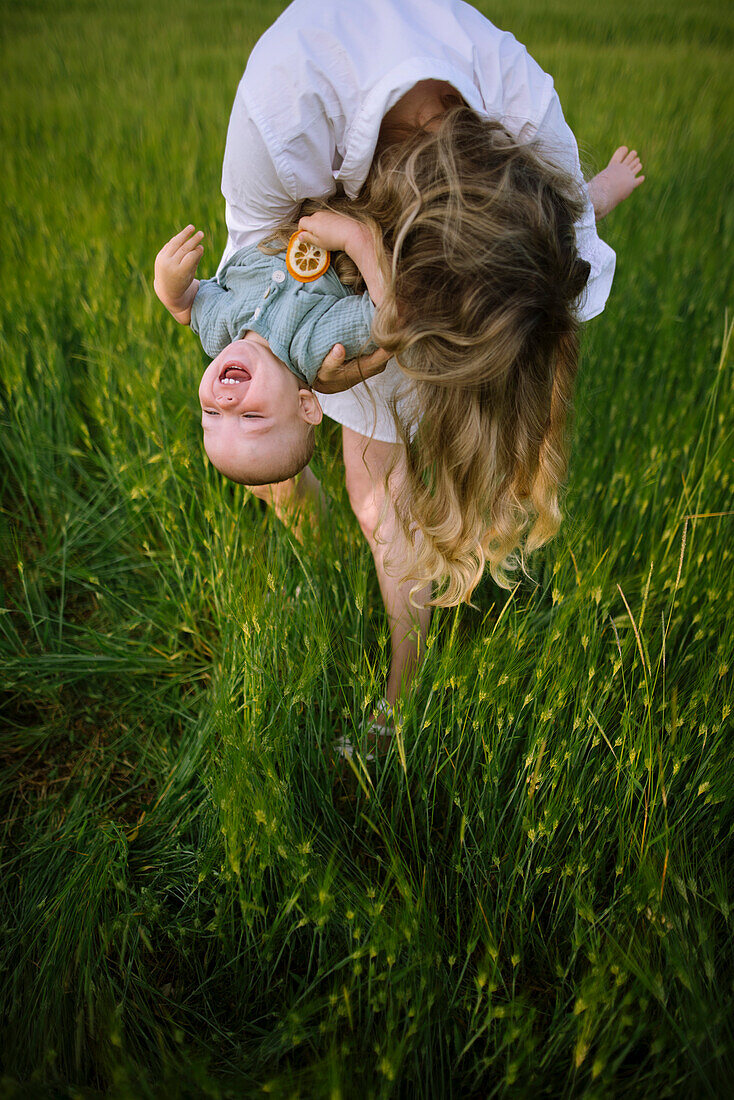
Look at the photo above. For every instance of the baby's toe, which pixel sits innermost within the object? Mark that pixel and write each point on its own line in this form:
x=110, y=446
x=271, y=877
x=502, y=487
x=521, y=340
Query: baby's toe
x=618, y=155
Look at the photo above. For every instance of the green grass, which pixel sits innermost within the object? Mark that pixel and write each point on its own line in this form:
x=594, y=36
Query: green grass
x=535, y=898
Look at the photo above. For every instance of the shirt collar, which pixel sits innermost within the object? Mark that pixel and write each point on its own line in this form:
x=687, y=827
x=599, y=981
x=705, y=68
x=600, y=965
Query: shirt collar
x=361, y=139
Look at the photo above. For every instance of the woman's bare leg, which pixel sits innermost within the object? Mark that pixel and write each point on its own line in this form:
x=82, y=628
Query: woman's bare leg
x=366, y=462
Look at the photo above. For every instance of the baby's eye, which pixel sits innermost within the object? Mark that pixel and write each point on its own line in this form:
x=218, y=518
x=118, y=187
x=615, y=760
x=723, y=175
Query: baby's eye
x=210, y=412
x=251, y=416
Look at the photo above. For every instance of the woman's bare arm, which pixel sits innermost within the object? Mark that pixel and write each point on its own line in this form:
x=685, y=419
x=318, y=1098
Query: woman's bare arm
x=340, y=233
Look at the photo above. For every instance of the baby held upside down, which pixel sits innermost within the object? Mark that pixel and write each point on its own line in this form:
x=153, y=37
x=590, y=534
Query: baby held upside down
x=269, y=333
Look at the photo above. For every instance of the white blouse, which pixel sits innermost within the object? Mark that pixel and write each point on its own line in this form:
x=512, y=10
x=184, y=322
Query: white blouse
x=308, y=110
x=318, y=83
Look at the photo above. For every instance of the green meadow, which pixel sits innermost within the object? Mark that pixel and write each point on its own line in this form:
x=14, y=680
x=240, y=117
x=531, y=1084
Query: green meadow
x=532, y=895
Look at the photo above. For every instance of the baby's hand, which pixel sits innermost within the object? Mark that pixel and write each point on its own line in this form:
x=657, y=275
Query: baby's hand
x=175, y=268
x=327, y=229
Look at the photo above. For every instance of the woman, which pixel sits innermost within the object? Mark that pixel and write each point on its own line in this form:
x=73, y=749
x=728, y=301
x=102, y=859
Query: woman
x=326, y=90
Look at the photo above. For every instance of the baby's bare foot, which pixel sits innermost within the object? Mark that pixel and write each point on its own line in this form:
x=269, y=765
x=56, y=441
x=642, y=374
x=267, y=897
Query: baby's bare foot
x=616, y=182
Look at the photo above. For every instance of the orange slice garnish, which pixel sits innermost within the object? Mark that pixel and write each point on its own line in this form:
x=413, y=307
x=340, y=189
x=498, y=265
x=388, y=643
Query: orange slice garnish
x=306, y=262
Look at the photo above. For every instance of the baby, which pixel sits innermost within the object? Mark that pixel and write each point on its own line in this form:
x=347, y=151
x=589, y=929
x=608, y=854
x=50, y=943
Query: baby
x=268, y=333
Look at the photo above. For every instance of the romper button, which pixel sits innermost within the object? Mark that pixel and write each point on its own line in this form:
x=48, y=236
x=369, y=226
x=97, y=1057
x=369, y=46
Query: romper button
x=256, y=314
x=279, y=276
x=267, y=292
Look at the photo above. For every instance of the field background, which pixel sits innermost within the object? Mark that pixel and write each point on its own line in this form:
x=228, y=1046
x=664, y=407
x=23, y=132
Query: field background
x=535, y=896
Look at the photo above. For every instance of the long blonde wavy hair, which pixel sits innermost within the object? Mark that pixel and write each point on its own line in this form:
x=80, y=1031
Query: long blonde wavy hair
x=478, y=231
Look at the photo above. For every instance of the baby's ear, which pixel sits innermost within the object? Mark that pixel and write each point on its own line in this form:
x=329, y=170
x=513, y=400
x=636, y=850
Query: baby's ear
x=309, y=406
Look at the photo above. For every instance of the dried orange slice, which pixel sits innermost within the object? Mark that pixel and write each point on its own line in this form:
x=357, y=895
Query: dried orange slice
x=306, y=262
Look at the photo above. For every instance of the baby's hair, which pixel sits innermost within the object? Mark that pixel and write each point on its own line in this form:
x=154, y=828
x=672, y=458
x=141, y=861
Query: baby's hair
x=296, y=455
x=480, y=313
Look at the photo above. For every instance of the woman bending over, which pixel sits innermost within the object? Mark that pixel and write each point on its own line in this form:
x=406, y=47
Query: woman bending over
x=451, y=139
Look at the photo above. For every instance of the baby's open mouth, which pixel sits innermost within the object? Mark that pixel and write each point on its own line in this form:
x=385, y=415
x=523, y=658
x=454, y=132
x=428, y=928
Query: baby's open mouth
x=232, y=375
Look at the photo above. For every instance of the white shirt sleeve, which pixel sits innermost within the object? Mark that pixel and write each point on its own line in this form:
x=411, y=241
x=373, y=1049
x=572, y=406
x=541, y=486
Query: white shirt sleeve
x=521, y=95
x=557, y=136
x=256, y=200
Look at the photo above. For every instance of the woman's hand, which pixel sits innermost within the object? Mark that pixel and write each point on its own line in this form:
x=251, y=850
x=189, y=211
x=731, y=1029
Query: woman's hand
x=335, y=232
x=340, y=233
x=175, y=268
x=335, y=375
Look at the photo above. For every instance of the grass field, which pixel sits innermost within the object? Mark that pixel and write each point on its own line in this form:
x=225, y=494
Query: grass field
x=535, y=897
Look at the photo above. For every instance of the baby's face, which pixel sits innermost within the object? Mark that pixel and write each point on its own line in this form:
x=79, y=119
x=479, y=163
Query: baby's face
x=252, y=407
